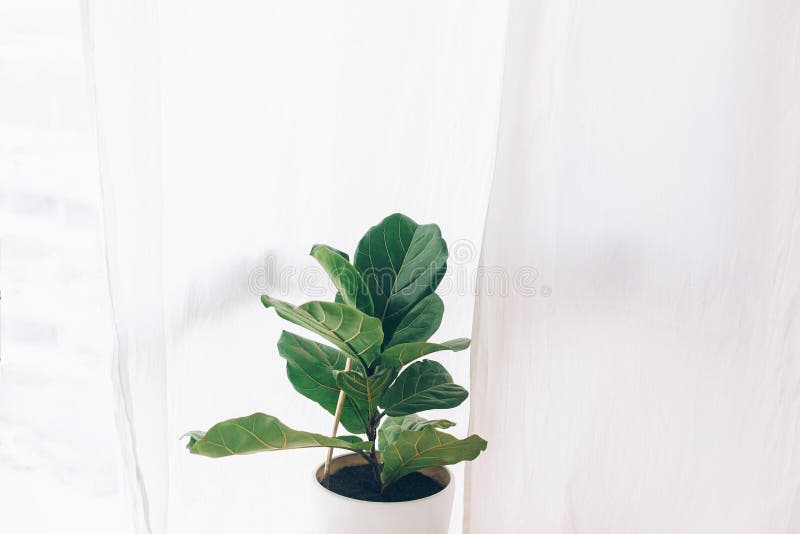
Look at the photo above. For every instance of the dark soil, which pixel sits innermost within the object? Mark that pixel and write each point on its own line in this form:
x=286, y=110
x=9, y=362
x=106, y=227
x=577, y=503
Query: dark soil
x=357, y=482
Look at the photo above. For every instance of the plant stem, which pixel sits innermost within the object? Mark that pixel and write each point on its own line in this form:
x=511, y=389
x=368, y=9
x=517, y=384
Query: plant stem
x=373, y=453
x=326, y=472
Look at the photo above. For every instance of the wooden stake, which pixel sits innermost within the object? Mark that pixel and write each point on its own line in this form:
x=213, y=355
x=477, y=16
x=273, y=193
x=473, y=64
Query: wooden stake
x=326, y=472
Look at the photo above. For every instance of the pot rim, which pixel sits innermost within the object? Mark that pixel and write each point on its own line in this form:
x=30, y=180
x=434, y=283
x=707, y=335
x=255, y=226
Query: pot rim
x=449, y=487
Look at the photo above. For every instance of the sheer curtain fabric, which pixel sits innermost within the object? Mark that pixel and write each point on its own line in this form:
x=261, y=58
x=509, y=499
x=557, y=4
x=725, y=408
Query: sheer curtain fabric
x=636, y=165
x=648, y=170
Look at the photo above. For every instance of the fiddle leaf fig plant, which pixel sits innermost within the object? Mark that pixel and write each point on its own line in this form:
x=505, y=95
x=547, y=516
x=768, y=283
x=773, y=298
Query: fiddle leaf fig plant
x=384, y=313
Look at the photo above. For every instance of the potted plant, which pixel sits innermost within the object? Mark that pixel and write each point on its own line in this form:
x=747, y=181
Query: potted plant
x=372, y=377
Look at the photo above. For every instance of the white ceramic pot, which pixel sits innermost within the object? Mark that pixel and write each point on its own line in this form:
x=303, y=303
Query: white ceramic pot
x=336, y=514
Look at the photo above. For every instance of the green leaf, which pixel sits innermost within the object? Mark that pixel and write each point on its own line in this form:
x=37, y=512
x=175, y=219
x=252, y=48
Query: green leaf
x=402, y=262
x=405, y=353
x=423, y=385
x=366, y=390
x=392, y=426
x=261, y=432
x=420, y=323
x=415, y=450
x=311, y=368
x=341, y=253
x=356, y=333
x=350, y=285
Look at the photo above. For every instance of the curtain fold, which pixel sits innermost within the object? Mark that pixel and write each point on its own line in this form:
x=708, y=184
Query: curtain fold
x=648, y=178
x=123, y=62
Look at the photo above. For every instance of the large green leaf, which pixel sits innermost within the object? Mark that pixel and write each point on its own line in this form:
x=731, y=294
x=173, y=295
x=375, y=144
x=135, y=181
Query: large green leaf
x=415, y=450
x=400, y=355
x=350, y=285
x=423, y=385
x=311, y=369
x=420, y=323
x=366, y=391
x=262, y=432
x=401, y=262
x=392, y=426
x=356, y=333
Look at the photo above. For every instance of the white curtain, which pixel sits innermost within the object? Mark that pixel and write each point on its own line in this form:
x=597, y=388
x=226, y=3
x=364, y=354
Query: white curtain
x=122, y=58
x=648, y=169
x=636, y=358
x=235, y=137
